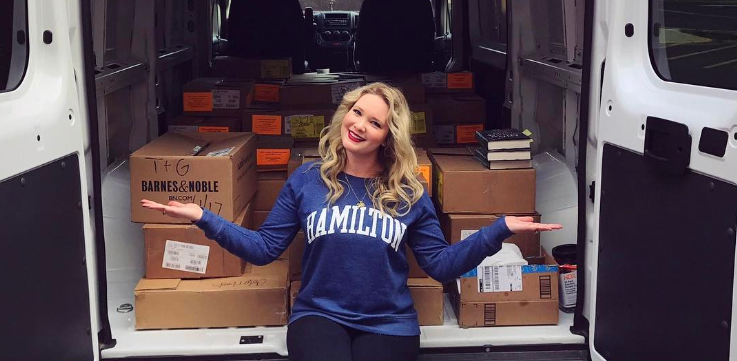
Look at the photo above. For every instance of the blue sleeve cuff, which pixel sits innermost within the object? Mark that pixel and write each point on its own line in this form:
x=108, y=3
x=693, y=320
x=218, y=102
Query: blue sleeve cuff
x=496, y=233
x=206, y=219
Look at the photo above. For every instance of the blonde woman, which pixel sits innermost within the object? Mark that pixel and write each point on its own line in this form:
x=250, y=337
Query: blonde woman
x=358, y=206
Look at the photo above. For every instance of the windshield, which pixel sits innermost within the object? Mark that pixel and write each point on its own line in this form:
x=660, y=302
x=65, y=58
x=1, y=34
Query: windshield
x=328, y=5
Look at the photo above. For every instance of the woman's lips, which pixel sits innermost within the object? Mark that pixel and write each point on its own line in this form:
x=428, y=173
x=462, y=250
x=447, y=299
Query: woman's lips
x=354, y=137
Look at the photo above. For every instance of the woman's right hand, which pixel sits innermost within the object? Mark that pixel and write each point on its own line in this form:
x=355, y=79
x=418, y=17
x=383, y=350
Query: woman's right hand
x=174, y=209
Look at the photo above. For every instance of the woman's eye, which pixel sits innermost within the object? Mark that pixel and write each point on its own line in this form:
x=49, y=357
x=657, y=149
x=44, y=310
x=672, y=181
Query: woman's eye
x=376, y=124
x=358, y=112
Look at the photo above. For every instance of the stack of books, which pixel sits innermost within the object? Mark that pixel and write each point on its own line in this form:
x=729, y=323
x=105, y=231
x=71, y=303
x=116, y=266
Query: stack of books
x=504, y=149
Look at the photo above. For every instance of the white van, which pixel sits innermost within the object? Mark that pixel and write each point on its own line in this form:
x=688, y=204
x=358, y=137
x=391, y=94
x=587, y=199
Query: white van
x=632, y=105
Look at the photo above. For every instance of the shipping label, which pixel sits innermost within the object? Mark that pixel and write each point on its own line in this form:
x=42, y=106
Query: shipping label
x=276, y=68
x=467, y=232
x=307, y=127
x=435, y=80
x=288, y=121
x=460, y=80
x=226, y=99
x=186, y=257
x=499, y=278
x=266, y=93
x=418, y=125
x=197, y=101
x=266, y=124
x=339, y=90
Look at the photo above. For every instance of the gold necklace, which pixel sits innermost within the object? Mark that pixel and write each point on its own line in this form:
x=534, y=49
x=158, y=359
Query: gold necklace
x=360, y=203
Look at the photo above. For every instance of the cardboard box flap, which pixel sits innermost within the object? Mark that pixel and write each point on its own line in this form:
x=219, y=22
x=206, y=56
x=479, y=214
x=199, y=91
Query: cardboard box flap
x=423, y=283
x=462, y=163
x=220, y=143
x=172, y=144
x=184, y=143
x=159, y=284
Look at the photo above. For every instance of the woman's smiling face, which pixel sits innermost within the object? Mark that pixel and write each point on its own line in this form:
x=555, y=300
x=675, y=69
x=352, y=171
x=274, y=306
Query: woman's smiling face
x=365, y=126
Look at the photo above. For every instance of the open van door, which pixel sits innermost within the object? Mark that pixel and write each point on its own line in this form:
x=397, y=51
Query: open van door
x=49, y=302
x=665, y=199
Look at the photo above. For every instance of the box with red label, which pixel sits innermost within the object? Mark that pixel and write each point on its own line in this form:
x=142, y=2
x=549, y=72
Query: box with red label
x=214, y=170
x=205, y=124
x=273, y=152
x=217, y=97
x=440, y=82
x=456, y=134
x=317, y=90
x=301, y=124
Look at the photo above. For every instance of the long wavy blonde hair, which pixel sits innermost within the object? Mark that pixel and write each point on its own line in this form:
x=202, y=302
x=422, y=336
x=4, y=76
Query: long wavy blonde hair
x=397, y=188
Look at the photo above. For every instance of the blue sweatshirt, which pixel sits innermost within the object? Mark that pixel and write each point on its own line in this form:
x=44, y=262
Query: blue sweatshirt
x=354, y=267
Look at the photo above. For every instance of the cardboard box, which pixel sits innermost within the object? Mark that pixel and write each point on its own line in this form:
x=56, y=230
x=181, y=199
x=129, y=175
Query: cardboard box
x=221, y=176
x=440, y=82
x=293, y=291
x=183, y=251
x=217, y=97
x=301, y=124
x=258, y=219
x=427, y=295
x=295, y=160
x=273, y=152
x=324, y=92
x=463, y=185
x=415, y=271
x=295, y=251
x=269, y=186
x=506, y=313
x=205, y=124
x=252, y=68
x=538, y=282
x=456, y=134
x=257, y=298
x=457, y=227
x=457, y=108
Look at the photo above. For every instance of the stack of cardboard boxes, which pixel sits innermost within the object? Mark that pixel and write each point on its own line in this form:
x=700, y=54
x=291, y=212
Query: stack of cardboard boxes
x=240, y=175
x=190, y=281
x=470, y=196
x=457, y=111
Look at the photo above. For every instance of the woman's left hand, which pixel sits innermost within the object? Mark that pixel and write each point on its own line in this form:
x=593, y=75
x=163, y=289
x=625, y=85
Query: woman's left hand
x=526, y=225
